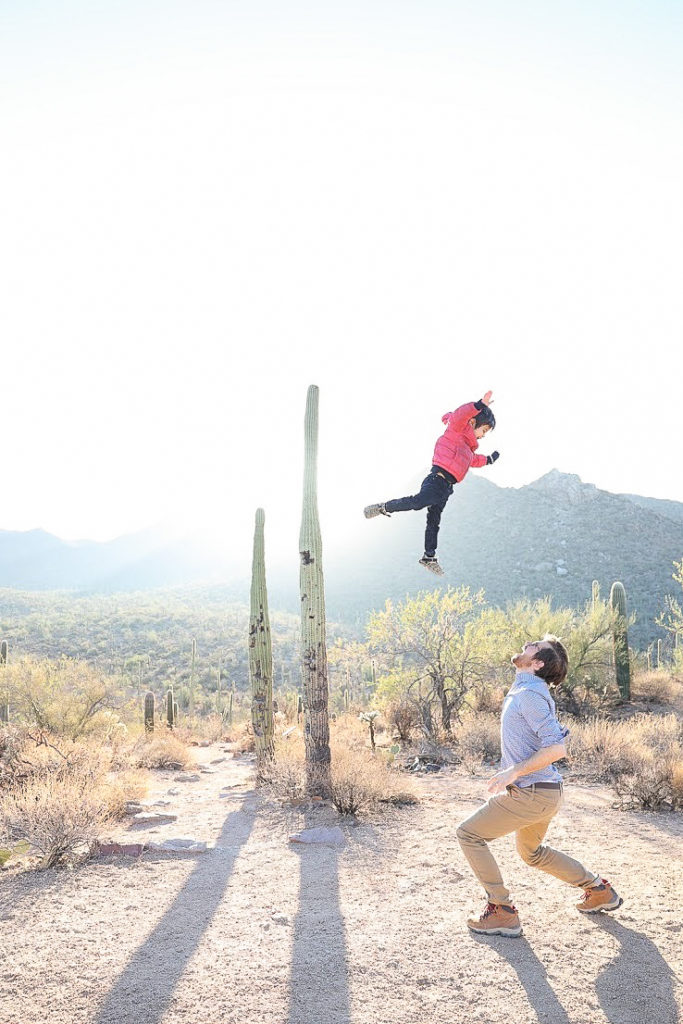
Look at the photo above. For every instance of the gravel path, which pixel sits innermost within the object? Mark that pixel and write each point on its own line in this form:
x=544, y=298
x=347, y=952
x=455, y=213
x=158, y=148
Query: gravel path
x=260, y=931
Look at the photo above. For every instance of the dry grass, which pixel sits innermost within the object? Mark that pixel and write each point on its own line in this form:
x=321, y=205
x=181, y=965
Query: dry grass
x=61, y=818
x=361, y=780
x=642, y=758
x=58, y=799
x=478, y=740
x=165, y=750
x=657, y=686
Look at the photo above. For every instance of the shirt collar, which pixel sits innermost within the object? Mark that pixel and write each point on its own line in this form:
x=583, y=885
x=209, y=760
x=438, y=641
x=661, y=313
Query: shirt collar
x=527, y=680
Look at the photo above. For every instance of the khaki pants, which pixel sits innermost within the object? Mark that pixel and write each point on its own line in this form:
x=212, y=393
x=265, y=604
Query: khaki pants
x=527, y=812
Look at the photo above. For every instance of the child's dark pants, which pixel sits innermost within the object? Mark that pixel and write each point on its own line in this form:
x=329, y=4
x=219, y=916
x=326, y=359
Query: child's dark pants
x=435, y=491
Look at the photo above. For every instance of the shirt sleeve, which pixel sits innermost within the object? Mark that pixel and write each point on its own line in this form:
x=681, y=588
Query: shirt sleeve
x=539, y=716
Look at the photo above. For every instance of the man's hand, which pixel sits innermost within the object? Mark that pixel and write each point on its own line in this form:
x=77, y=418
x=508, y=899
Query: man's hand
x=487, y=400
x=500, y=780
x=490, y=459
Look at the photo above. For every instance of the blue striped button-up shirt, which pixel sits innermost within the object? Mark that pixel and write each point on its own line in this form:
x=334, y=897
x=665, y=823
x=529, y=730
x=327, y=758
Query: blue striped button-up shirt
x=528, y=723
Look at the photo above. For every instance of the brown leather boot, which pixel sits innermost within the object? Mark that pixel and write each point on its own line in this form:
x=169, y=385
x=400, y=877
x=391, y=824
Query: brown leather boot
x=497, y=919
x=599, y=897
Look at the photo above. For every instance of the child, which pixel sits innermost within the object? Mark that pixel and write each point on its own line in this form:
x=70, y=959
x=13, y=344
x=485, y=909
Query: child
x=454, y=453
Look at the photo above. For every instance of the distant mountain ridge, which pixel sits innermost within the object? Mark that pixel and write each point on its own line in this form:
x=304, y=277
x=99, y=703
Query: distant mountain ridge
x=553, y=536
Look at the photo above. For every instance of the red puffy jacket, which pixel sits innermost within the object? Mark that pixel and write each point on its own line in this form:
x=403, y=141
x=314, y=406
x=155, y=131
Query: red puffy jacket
x=454, y=451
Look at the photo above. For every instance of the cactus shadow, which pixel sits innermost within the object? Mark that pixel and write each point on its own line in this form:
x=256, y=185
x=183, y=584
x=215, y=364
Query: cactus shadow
x=319, y=973
x=144, y=989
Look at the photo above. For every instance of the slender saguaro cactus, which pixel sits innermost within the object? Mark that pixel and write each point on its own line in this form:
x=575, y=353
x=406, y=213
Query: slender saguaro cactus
x=170, y=720
x=260, y=653
x=313, y=640
x=595, y=593
x=192, y=665
x=621, y=660
x=4, y=699
x=149, y=711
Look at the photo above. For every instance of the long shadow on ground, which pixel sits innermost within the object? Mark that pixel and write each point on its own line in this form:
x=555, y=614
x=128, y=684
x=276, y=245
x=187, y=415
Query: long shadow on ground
x=319, y=980
x=532, y=975
x=639, y=983
x=142, y=993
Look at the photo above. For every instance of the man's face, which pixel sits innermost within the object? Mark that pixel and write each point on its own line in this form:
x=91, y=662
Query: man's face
x=526, y=660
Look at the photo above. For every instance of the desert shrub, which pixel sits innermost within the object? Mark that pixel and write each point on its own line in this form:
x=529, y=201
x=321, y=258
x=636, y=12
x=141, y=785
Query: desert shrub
x=163, y=751
x=59, y=817
x=210, y=727
x=361, y=781
x=642, y=757
x=65, y=698
x=478, y=739
x=286, y=775
x=600, y=749
x=435, y=752
x=122, y=787
x=657, y=686
x=402, y=715
x=656, y=785
x=486, y=697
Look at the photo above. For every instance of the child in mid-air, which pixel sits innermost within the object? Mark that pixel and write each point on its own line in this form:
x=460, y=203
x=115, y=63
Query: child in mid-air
x=454, y=453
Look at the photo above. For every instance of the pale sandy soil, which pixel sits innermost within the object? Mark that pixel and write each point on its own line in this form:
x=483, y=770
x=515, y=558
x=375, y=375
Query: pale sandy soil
x=259, y=930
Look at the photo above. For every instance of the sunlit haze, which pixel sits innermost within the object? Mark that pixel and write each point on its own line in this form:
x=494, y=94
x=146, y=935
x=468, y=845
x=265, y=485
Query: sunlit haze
x=207, y=207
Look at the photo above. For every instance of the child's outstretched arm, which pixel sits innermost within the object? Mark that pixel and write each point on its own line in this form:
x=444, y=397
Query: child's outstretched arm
x=485, y=460
x=463, y=413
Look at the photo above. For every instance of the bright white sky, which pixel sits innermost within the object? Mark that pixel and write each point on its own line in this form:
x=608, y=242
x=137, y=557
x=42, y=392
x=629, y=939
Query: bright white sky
x=207, y=206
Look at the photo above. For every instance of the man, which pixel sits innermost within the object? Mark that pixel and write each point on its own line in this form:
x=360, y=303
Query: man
x=527, y=793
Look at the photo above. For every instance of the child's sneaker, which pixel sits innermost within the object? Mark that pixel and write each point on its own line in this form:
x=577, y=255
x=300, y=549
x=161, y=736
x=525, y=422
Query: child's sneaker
x=432, y=564
x=370, y=511
x=496, y=920
x=599, y=897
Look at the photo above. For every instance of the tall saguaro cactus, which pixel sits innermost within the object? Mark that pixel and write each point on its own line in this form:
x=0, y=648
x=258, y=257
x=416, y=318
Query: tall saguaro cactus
x=149, y=712
x=170, y=705
x=192, y=668
x=4, y=700
x=621, y=660
x=595, y=593
x=313, y=639
x=260, y=653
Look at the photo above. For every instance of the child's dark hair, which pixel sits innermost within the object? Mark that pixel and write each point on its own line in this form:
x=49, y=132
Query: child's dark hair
x=485, y=418
x=555, y=661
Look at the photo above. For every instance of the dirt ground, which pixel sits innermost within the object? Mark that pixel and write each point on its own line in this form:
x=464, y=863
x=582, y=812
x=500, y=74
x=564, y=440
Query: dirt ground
x=257, y=929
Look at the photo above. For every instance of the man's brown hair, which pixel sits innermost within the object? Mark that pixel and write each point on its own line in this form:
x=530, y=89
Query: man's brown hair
x=555, y=661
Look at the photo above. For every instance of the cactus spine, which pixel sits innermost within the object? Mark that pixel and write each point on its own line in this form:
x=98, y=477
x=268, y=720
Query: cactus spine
x=149, y=711
x=260, y=653
x=169, y=709
x=313, y=640
x=620, y=634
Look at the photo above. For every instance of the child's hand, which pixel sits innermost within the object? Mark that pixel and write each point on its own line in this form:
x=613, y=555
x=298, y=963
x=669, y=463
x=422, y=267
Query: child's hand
x=487, y=400
x=490, y=459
